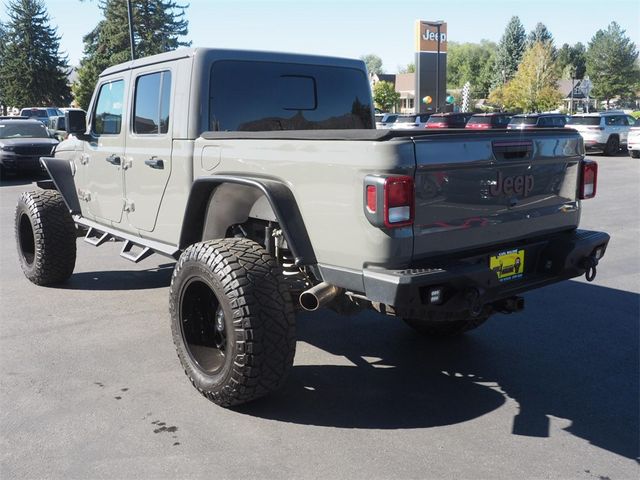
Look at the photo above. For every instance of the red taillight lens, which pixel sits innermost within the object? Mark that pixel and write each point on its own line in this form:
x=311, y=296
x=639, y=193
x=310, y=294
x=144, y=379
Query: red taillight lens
x=481, y=126
x=436, y=125
x=372, y=204
x=589, y=180
x=398, y=201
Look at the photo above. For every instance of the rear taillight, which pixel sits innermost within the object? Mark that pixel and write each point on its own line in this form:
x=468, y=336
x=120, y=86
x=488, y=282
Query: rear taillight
x=436, y=125
x=398, y=201
x=588, y=180
x=480, y=126
x=396, y=197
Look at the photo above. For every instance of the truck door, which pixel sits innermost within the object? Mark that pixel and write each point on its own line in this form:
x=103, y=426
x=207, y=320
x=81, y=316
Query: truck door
x=104, y=152
x=149, y=141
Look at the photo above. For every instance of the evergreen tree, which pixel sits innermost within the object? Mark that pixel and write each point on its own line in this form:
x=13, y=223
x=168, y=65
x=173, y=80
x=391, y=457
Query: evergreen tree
x=157, y=26
x=509, y=53
x=539, y=34
x=572, y=60
x=32, y=72
x=611, y=64
x=3, y=41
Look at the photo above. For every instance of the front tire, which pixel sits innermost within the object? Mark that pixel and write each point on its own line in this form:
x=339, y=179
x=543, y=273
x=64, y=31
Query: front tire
x=634, y=153
x=45, y=237
x=232, y=320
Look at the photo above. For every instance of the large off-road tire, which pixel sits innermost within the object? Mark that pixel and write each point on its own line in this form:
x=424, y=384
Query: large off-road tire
x=232, y=320
x=612, y=146
x=447, y=324
x=45, y=237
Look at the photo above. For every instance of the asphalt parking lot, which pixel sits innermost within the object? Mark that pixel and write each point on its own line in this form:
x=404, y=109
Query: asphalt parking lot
x=90, y=385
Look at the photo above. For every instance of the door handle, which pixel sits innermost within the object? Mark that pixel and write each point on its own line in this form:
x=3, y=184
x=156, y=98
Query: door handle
x=154, y=162
x=113, y=159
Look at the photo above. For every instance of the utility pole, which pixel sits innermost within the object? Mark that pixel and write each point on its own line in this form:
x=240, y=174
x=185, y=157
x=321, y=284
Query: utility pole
x=130, y=15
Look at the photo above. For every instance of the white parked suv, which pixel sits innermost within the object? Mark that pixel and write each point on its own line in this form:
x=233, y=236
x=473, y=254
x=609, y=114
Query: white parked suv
x=633, y=140
x=603, y=131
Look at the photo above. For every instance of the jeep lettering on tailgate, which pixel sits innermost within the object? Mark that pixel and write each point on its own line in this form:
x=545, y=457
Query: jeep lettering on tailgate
x=518, y=184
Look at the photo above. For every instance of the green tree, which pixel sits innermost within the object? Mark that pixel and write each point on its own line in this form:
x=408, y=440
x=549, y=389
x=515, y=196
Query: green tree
x=385, y=96
x=33, y=72
x=539, y=34
x=3, y=41
x=509, y=52
x=611, y=64
x=409, y=68
x=473, y=63
x=572, y=60
x=534, y=87
x=373, y=63
x=157, y=24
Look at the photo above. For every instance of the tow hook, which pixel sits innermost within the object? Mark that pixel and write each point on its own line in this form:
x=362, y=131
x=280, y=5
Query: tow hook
x=589, y=264
x=472, y=297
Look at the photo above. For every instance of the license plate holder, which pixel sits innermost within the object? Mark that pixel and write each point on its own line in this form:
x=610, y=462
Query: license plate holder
x=508, y=265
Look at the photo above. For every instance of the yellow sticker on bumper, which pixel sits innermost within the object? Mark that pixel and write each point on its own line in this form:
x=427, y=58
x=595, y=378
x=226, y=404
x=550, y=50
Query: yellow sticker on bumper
x=508, y=265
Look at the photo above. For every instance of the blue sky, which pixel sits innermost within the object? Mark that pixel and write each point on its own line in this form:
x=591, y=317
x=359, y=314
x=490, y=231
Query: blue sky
x=351, y=28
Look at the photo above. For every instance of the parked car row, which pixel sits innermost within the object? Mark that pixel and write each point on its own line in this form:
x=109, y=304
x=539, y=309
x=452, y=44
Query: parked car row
x=607, y=132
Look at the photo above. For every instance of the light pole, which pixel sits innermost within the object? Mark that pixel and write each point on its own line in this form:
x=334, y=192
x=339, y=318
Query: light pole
x=130, y=15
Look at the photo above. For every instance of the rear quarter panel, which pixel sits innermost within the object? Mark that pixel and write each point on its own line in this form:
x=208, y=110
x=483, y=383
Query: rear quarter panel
x=326, y=178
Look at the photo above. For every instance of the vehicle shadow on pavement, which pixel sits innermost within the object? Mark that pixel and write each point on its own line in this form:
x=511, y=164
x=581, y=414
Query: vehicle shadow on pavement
x=157, y=277
x=573, y=354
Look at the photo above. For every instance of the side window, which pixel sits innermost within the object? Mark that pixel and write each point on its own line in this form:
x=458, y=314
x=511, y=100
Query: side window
x=614, y=121
x=152, y=102
x=107, y=117
x=631, y=121
x=544, y=122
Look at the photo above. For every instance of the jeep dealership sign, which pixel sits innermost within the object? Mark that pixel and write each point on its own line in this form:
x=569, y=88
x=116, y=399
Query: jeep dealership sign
x=431, y=65
x=427, y=36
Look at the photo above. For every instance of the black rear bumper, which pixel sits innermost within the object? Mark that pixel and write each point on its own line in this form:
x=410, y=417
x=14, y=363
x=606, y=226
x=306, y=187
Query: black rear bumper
x=550, y=260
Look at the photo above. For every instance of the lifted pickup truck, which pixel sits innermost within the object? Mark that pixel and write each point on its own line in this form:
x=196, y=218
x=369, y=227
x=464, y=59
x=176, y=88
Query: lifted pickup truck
x=263, y=175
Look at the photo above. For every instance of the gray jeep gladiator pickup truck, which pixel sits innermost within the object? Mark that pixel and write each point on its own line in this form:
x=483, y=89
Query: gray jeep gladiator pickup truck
x=263, y=175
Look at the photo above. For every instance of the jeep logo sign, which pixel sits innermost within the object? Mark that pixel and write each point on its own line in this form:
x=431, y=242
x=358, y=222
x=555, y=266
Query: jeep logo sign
x=427, y=37
x=518, y=184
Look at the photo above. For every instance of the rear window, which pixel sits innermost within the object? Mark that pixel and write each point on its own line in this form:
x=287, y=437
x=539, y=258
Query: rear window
x=584, y=121
x=34, y=113
x=523, y=121
x=266, y=96
x=409, y=119
x=479, y=120
x=437, y=119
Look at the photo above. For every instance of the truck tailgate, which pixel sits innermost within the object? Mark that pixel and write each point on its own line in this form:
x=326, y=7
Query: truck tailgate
x=476, y=191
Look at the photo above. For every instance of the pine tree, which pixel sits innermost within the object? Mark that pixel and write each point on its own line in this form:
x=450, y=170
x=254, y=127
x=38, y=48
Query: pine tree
x=611, y=64
x=539, y=34
x=3, y=41
x=510, y=51
x=158, y=24
x=33, y=72
x=572, y=60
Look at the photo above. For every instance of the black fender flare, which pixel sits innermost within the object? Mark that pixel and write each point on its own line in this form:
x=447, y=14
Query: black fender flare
x=279, y=196
x=60, y=172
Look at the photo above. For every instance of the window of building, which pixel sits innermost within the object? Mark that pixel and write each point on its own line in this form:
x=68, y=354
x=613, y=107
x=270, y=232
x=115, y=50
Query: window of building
x=107, y=119
x=264, y=96
x=152, y=100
